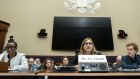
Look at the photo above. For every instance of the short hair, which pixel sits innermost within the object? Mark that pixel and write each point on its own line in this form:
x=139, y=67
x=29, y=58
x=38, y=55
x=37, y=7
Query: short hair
x=119, y=58
x=31, y=59
x=135, y=46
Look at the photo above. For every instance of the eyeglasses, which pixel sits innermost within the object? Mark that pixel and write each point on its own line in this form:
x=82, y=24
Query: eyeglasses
x=90, y=43
x=11, y=47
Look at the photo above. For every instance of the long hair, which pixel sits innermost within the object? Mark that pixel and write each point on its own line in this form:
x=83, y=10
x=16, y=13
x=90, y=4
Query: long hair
x=44, y=64
x=82, y=51
x=63, y=59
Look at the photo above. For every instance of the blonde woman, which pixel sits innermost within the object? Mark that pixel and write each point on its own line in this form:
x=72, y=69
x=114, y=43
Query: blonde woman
x=87, y=48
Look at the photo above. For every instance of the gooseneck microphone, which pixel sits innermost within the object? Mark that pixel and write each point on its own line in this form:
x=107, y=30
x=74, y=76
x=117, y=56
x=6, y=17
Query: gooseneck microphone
x=77, y=52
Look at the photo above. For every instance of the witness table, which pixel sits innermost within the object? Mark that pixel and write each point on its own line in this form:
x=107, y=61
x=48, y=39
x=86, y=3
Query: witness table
x=77, y=75
x=88, y=74
x=17, y=75
x=69, y=75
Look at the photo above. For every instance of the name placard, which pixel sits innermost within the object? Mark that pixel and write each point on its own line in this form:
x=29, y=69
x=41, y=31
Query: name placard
x=92, y=58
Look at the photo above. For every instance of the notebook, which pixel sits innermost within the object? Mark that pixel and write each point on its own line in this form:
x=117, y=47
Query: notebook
x=4, y=66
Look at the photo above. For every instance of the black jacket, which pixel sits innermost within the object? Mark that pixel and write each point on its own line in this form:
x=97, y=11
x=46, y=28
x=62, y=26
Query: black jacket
x=129, y=63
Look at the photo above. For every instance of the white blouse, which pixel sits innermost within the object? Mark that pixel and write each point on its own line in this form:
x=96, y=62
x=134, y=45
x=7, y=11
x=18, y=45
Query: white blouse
x=18, y=62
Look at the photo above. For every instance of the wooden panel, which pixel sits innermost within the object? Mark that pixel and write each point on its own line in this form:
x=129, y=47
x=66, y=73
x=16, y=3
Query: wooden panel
x=66, y=75
x=3, y=31
x=88, y=74
x=16, y=77
x=93, y=77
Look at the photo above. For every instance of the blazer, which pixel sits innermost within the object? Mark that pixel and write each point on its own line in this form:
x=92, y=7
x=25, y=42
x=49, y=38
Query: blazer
x=129, y=63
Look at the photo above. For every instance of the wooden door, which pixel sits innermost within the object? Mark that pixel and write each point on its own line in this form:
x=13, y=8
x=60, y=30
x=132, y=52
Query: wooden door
x=3, y=31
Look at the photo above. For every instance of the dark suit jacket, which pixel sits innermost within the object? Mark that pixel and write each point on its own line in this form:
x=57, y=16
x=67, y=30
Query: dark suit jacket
x=129, y=63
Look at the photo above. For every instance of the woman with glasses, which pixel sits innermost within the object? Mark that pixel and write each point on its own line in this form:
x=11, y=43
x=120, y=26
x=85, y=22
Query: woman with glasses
x=17, y=61
x=87, y=48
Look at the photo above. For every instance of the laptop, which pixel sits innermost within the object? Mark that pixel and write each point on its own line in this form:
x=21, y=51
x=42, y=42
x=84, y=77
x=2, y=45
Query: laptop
x=66, y=68
x=4, y=66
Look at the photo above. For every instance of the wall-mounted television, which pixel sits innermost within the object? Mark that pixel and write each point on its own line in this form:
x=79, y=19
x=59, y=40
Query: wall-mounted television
x=69, y=32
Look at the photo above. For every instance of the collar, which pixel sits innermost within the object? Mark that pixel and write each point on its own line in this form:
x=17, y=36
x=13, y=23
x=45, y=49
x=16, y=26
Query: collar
x=14, y=56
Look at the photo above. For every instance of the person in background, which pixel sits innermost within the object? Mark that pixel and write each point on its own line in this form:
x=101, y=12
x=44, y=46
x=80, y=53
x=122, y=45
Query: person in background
x=30, y=63
x=87, y=48
x=65, y=61
x=132, y=60
x=37, y=64
x=47, y=65
x=16, y=60
x=53, y=64
x=117, y=64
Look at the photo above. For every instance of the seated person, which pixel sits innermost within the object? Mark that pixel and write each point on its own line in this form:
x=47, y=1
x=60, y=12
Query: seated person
x=47, y=65
x=65, y=61
x=53, y=63
x=87, y=48
x=36, y=64
x=16, y=60
x=30, y=63
x=117, y=64
x=132, y=60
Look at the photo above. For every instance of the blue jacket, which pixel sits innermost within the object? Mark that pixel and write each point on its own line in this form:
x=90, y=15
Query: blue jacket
x=129, y=63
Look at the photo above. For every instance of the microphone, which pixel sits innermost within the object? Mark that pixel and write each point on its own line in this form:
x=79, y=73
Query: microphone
x=77, y=51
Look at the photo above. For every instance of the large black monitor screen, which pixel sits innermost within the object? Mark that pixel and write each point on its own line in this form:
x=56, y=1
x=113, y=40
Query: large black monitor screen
x=69, y=32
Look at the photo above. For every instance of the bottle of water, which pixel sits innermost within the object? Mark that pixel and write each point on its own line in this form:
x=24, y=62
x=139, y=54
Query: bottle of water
x=34, y=67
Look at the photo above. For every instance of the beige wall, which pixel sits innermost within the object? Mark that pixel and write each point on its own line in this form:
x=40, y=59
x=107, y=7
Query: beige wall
x=27, y=17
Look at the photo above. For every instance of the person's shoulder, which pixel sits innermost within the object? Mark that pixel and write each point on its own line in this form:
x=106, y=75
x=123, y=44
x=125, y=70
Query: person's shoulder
x=138, y=55
x=4, y=53
x=19, y=53
x=125, y=57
